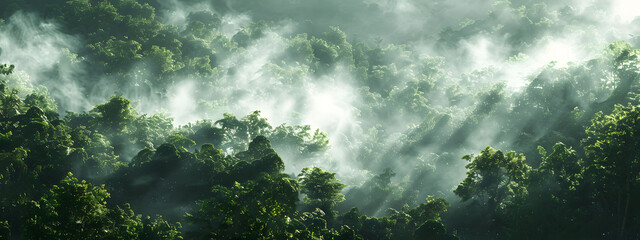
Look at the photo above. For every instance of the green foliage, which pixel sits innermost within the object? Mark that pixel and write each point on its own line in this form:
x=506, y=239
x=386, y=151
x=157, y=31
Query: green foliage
x=323, y=52
x=414, y=114
x=11, y=102
x=210, y=19
x=205, y=132
x=42, y=100
x=12, y=165
x=119, y=123
x=161, y=60
x=248, y=34
x=613, y=166
x=239, y=132
x=5, y=230
x=35, y=152
x=71, y=209
x=263, y=207
x=494, y=175
x=180, y=141
x=432, y=230
x=563, y=163
x=117, y=53
x=580, y=197
x=115, y=114
x=300, y=139
x=429, y=211
x=77, y=210
x=6, y=70
x=149, y=131
x=212, y=157
x=381, y=79
x=610, y=144
x=404, y=223
x=554, y=186
x=377, y=193
x=321, y=187
x=300, y=49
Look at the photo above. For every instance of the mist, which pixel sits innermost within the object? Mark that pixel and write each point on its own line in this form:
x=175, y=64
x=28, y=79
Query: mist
x=256, y=78
x=406, y=85
x=330, y=101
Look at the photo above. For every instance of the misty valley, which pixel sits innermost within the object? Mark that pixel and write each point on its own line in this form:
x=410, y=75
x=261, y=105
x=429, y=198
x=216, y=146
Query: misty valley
x=326, y=120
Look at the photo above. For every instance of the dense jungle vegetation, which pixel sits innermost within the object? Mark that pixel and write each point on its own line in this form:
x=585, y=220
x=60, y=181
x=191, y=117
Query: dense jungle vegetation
x=343, y=120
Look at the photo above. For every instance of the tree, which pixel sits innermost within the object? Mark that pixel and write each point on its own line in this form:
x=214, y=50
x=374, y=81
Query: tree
x=115, y=114
x=117, y=53
x=375, y=194
x=10, y=102
x=76, y=209
x=253, y=210
x=258, y=160
x=212, y=158
x=494, y=176
x=6, y=70
x=613, y=165
x=321, y=187
x=161, y=60
x=240, y=131
x=300, y=49
x=432, y=230
x=551, y=205
x=12, y=167
x=181, y=141
x=205, y=132
x=623, y=63
x=298, y=140
x=563, y=166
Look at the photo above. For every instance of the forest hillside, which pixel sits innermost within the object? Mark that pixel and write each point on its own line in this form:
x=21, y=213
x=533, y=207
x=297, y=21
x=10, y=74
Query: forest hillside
x=341, y=120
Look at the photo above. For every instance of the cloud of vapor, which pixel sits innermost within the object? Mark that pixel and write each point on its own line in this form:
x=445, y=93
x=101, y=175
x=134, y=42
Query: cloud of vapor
x=482, y=45
x=254, y=82
x=232, y=24
x=181, y=103
x=625, y=11
x=415, y=18
x=175, y=12
x=39, y=48
x=580, y=30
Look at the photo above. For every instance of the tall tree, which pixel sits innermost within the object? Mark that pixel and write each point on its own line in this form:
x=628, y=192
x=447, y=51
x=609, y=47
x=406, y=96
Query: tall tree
x=76, y=209
x=493, y=179
x=613, y=166
x=253, y=210
x=321, y=187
